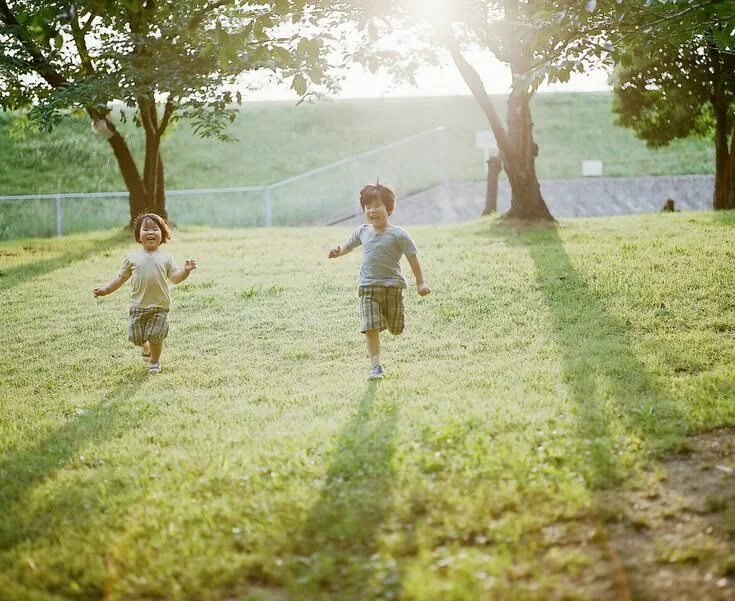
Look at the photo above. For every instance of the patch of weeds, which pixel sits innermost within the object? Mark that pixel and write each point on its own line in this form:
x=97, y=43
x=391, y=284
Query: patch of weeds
x=254, y=291
x=672, y=553
x=298, y=354
x=726, y=566
x=567, y=560
x=717, y=503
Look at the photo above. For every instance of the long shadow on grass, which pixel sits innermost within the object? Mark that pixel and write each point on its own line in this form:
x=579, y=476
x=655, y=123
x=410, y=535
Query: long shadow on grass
x=334, y=548
x=9, y=278
x=23, y=470
x=612, y=391
x=622, y=413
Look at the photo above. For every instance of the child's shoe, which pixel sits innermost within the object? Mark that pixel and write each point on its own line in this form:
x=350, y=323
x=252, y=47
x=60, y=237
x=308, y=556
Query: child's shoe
x=154, y=368
x=376, y=373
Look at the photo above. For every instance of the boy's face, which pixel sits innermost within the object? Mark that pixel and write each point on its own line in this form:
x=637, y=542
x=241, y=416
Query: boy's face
x=150, y=234
x=376, y=212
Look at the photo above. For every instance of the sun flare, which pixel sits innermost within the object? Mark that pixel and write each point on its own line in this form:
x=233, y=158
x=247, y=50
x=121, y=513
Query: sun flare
x=437, y=12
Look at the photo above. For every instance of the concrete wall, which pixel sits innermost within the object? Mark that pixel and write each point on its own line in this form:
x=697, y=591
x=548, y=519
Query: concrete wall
x=587, y=197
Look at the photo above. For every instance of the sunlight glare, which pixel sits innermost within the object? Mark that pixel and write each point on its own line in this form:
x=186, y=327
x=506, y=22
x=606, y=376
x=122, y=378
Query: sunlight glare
x=436, y=12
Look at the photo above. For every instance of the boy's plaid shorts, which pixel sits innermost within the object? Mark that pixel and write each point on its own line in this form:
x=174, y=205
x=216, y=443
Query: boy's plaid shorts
x=149, y=323
x=381, y=307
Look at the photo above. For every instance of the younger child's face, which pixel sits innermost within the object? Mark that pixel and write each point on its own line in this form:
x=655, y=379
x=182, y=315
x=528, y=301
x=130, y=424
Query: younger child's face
x=376, y=212
x=150, y=234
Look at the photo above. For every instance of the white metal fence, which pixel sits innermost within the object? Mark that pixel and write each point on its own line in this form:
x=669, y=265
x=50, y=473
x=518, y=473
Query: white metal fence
x=409, y=165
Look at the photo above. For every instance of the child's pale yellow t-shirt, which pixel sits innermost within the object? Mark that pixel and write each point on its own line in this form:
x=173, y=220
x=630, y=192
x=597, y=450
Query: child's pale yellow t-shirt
x=150, y=272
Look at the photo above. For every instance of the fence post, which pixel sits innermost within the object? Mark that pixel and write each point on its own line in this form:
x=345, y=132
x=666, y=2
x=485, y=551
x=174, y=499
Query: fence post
x=58, y=216
x=267, y=209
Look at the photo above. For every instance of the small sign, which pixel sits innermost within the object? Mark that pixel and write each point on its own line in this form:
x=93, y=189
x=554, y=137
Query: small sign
x=591, y=168
x=485, y=140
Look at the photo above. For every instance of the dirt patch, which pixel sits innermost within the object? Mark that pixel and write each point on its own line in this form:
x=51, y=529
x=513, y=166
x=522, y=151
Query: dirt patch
x=676, y=538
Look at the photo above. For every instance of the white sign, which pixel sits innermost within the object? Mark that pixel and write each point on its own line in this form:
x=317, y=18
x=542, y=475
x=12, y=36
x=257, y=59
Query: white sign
x=591, y=168
x=484, y=140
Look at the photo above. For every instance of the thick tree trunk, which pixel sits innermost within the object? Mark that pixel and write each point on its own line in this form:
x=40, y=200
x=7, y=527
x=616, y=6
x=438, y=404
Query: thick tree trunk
x=129, y=171
x=153, y=170
x=125, y=161
x=517, y=149
x=38, y=62
x=153, y=178
x=526, y=201
x=720, y=198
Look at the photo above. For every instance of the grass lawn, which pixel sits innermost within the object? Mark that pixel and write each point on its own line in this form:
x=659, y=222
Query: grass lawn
x=277, y=140
x=550, y=372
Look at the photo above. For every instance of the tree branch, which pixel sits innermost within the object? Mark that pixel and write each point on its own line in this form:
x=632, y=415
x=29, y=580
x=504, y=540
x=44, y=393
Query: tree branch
x=474, y=83
x=38, y=62
x=145, y=116
x=199, y=15
x=78, y=35
x=168, y=111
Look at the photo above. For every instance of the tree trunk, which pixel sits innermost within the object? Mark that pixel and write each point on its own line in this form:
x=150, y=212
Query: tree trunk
x=526, y=201
x=517, y=149
x=153, y=178
x=494, y=167
x=130, y=174
x=160, y=193
x=153, y=169
x=720, y=198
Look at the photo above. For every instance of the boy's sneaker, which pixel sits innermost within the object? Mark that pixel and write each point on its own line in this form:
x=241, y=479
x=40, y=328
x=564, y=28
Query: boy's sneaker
x=376, y=373
x=154, y=368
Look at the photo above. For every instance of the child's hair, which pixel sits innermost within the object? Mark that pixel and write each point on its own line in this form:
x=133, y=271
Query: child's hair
x=166, y=233
x=380, y=192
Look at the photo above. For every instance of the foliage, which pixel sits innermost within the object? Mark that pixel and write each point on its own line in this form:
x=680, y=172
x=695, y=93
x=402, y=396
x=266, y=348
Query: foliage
x=668, y=95
x=508, y=30
x=164, y=59
x=87, y=54
x=616, y=31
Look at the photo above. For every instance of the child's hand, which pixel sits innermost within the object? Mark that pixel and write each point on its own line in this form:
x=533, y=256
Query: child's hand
x=100, y=291
x=189, y=266
x=423, y=289
x=334, y=252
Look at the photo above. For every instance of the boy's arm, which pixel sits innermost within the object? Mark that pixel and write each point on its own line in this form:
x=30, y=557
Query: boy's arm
x=181, y=274
x=347, y=245
x=421, y=285
x=118, y=281
x=338, y=251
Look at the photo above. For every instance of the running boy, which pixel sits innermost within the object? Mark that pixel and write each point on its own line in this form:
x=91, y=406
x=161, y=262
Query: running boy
x=381, y=282
x=151, y=300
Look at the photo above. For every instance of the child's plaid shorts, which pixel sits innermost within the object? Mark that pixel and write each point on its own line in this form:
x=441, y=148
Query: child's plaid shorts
x=147, y=324
x=381, y=307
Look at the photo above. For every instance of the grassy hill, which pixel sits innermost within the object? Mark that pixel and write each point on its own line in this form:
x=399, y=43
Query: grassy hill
x=278, y=140
x=549, y=375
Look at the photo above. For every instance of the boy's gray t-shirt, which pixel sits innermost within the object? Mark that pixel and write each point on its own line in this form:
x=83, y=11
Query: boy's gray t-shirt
x=381, y=254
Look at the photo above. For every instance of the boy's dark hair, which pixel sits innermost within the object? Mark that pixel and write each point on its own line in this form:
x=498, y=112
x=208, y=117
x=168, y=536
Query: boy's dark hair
x=166, y=233
x=380, y=192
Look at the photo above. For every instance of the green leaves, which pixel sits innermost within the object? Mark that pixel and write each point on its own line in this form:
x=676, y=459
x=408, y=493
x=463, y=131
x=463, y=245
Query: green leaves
x=190, y=48
x=299, y=84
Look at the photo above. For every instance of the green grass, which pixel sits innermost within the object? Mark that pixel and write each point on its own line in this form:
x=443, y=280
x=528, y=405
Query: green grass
x=548, y=364
x=278, y=140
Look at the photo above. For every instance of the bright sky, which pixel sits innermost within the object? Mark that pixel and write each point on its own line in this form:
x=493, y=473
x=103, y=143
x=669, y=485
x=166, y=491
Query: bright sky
x=436, y=81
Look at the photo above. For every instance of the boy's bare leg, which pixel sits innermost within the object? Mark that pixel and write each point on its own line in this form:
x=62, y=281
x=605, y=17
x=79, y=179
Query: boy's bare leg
x=156, y=352
x=373, y=344
x=146, y=348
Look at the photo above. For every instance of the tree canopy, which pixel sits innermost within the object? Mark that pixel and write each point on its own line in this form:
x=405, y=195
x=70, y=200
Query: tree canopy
x=157, y=60
x=509, y=29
